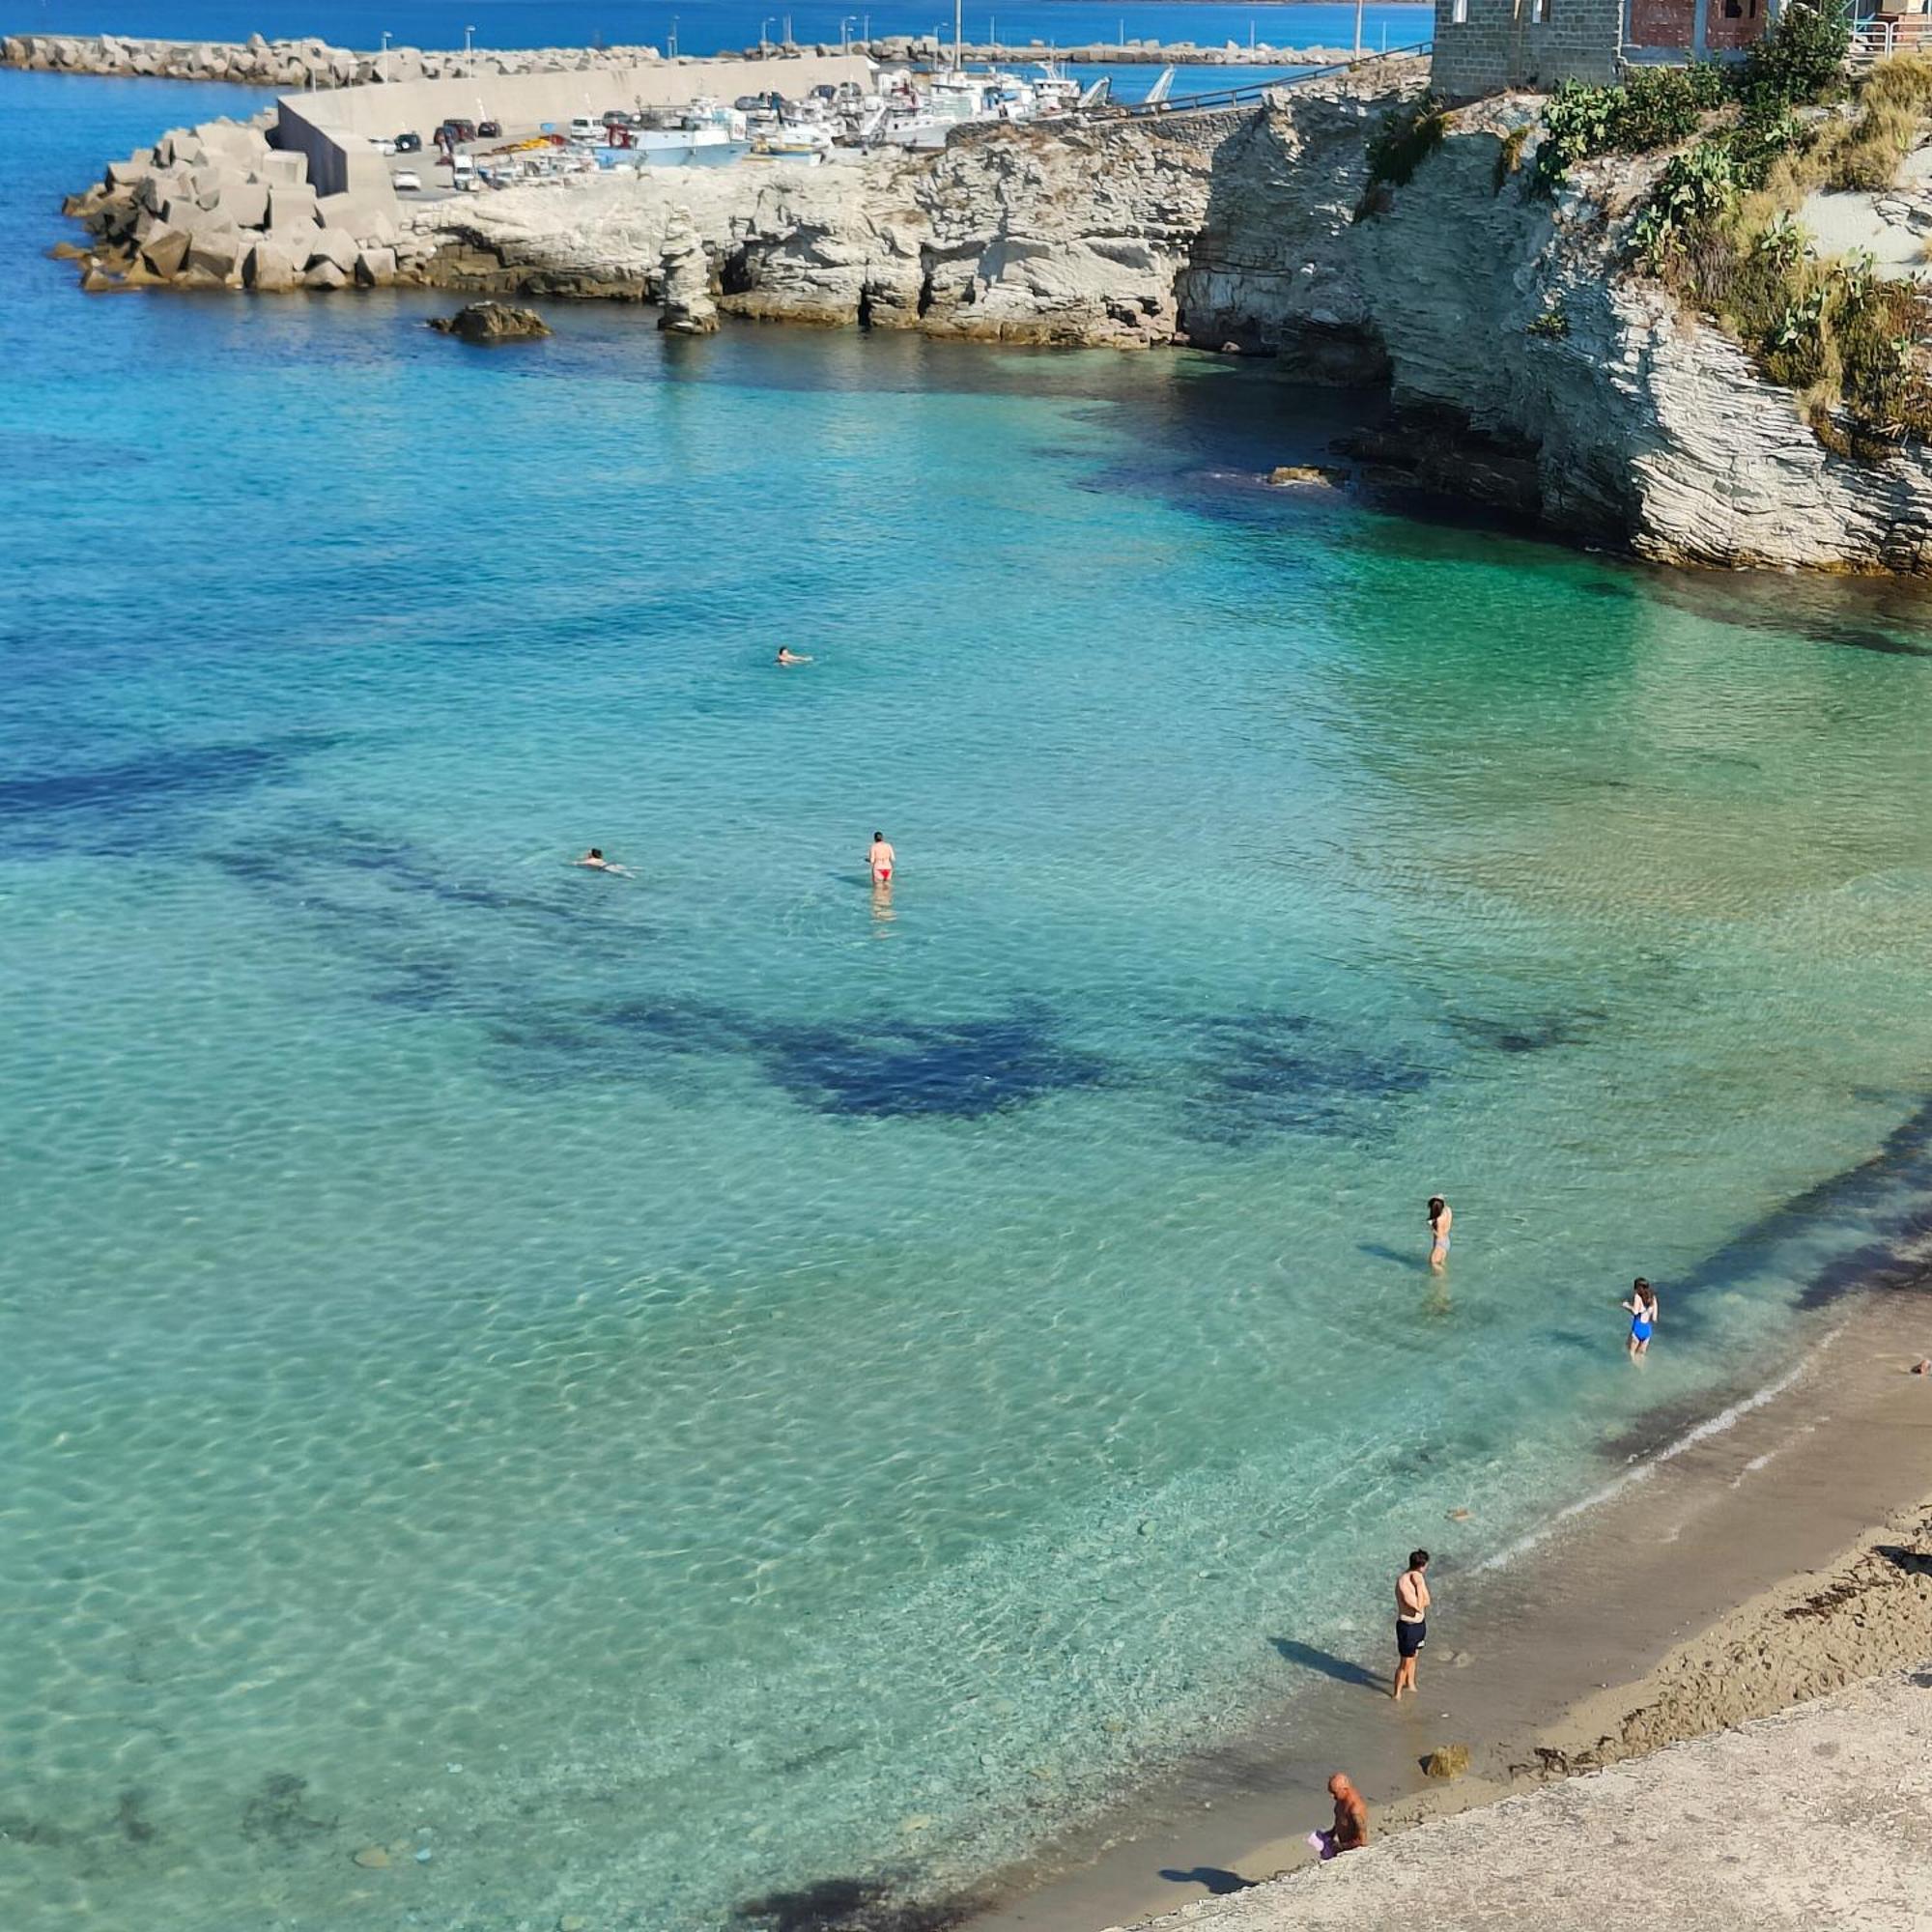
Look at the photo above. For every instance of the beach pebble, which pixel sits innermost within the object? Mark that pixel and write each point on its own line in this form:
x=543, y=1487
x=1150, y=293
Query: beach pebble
x=1458, y=1515
x=571, y=1923
x=372, y=1858
x=424, y=1855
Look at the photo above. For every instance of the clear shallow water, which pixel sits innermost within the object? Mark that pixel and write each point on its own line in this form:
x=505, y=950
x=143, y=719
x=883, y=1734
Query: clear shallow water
x=660, y=1392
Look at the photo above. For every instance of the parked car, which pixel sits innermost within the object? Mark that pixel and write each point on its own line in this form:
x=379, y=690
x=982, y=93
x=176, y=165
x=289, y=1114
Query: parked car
x=584, y=129
x=489, y=131
x=453, y=134
x=409, y=144
x=382, y=144
x=406, y=181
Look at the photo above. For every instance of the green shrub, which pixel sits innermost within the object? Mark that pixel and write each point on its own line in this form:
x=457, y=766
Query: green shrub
x=1509, y=155
x=1801, y=57
x=1552, y=324
x=1405, y=139
x=1655, y=107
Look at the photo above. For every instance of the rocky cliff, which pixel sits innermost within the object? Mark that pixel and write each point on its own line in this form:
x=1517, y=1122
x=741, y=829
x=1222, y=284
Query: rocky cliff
x=1532, y=369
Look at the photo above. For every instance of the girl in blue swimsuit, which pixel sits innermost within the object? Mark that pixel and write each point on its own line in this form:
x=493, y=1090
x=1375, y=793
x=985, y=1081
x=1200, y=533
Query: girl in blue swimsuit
x=1642, y=1310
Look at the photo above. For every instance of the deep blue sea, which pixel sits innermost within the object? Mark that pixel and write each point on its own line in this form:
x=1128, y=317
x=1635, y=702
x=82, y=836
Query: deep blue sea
x=706, y=26
x=628, y=1394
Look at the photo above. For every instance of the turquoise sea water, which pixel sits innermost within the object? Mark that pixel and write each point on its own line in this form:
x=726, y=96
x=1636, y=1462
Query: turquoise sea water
x=660, y=1392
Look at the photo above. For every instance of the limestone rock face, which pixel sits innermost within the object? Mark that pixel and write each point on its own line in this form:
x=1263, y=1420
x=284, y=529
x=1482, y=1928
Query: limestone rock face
x=492, y=322
x=688, y=308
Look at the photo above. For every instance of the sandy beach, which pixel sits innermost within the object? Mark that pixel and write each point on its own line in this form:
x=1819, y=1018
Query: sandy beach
x=1769, y=1555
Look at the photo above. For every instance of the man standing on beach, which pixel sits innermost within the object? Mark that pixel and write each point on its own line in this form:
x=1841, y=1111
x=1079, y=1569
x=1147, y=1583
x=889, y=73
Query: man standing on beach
x=1412, y=1620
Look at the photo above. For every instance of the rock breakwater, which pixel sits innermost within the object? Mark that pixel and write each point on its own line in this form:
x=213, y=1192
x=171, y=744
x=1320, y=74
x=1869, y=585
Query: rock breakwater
x=293, y=64
x=215, y=206
x=318, y=63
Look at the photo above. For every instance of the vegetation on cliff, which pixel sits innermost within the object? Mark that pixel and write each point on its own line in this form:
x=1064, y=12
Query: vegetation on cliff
x=1718, y=225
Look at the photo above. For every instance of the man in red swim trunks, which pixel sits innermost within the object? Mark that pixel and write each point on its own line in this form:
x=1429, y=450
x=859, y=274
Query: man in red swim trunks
x=881, y=860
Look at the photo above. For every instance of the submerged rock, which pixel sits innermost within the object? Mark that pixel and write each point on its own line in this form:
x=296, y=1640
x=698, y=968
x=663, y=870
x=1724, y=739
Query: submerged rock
x=492, y=322
x=373, y=1857
x=1289, y=474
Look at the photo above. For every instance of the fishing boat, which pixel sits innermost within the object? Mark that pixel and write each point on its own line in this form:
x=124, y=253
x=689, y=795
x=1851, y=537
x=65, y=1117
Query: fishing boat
x=704, y=135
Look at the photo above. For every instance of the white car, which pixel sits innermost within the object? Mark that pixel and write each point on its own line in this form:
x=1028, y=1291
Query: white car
x=382, y=144
x=408, y=180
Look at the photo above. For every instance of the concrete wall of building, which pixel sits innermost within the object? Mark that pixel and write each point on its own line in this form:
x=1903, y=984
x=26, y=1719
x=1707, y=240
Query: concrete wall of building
x=333, y=128
x=1485, y=46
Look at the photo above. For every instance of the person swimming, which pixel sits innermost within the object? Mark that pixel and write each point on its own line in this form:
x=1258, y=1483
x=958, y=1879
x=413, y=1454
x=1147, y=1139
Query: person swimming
x=881, y=859
x=787, y=656
x=1442, y=1218
x=595, y=861
x=1641, y=1308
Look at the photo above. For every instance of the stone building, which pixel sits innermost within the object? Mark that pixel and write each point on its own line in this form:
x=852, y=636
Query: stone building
x=1483, y=46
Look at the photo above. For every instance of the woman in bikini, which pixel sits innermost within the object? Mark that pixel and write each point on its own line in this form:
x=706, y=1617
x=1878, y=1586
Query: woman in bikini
x=1442, y=1218
x=1641, y=1309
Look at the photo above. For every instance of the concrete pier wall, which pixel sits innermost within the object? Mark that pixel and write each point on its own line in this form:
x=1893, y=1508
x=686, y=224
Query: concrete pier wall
x=332, y=129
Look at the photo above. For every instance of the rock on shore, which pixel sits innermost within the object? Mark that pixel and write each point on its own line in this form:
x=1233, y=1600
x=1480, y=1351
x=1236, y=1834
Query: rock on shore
x=492, y=322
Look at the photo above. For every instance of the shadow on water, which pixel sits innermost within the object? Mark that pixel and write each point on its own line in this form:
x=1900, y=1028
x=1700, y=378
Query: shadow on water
x=1343, y=1669
x=123, y=805
x=1380, y=1250
x=1887, y=617
x=1890, y=1193
x=849, y=1905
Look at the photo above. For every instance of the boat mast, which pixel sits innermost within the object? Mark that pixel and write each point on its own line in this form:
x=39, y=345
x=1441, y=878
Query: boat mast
x=958, y=8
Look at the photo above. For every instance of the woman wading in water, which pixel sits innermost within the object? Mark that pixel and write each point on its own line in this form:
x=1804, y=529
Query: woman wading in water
x=1442, y=1218
x=1641, y=1309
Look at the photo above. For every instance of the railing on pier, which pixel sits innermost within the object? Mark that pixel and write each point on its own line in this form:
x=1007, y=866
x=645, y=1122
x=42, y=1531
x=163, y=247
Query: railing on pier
x=1878, y=37
x=1254, y=90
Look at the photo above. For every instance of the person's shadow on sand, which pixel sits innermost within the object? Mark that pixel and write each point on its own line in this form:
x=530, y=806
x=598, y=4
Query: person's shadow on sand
x=1339, y=1668
x=1220, y=1882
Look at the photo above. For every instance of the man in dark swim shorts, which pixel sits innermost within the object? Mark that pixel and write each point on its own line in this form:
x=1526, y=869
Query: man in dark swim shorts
x=1412, y=1620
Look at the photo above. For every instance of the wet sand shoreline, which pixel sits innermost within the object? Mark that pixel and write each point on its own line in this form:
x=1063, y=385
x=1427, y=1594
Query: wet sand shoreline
x=1716, y=1580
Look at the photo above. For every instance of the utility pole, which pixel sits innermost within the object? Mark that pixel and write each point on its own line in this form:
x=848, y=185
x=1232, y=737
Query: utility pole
x=468, y=34
x=382, y=59
x=1358, y=29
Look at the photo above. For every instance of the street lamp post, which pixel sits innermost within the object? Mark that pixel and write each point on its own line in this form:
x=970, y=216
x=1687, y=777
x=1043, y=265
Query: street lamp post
x=468, y=35
x=764, y=33
x=673, y=36
x=382, y=59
